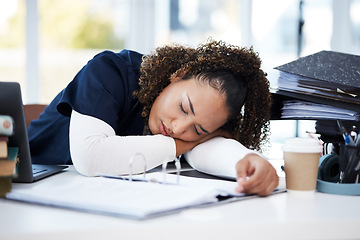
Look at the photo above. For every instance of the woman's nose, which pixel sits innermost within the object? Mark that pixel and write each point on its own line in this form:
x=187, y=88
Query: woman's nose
x=180, y=126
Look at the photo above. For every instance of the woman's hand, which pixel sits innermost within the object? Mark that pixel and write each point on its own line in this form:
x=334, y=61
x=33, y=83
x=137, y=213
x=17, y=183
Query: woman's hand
x=185, y=146
x=262, y=178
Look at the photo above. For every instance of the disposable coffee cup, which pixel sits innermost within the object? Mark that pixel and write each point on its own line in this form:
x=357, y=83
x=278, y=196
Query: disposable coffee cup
x=301, y=162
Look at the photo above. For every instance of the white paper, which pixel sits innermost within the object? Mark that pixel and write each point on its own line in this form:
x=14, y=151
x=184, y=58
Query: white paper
x=124, y=198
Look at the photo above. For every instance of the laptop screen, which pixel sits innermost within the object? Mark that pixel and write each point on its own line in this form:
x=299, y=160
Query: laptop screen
x=11, y=104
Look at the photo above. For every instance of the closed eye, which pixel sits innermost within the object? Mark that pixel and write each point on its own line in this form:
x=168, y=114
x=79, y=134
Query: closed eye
x=182, y=108
x=196, y=131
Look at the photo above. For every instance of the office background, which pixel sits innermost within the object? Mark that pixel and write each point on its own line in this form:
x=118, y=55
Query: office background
x=44, y=43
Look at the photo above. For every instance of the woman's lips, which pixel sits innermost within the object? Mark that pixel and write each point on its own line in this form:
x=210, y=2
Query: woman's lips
x=164, y=130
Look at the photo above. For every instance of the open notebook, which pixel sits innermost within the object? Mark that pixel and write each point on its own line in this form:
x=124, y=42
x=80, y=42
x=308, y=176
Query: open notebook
x=136, y=199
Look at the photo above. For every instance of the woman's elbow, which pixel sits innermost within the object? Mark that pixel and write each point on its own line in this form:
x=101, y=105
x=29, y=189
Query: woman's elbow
x=83, y=160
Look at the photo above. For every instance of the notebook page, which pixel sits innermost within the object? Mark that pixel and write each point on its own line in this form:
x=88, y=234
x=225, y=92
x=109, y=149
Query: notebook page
x=116, y=197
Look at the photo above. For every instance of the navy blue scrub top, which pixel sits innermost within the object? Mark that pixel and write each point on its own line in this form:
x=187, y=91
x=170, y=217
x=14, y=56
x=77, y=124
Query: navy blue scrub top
x=102, y=89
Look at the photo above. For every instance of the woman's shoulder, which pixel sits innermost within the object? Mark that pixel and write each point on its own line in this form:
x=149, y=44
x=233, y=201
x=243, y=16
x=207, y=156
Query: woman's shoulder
x=125, y=55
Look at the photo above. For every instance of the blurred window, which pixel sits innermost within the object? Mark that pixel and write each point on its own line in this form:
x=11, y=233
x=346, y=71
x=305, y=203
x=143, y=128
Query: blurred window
x=71, y=32
x=12, y=41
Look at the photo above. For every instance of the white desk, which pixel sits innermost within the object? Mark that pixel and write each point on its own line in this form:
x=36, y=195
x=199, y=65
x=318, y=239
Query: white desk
x=281, y=216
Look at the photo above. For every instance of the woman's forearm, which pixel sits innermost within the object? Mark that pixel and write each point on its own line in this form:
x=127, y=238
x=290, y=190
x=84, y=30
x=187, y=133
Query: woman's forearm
x=95, y=148
x=217, y=156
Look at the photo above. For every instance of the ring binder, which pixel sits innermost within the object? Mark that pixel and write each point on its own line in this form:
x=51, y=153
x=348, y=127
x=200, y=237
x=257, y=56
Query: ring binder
x=178, y=170
x=132, y=177
x=135, y=200
x=131, y=161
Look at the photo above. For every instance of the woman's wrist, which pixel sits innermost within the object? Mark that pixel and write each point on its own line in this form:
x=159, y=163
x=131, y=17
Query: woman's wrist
x=183, y=146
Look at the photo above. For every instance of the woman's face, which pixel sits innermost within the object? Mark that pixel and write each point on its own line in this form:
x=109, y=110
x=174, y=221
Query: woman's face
x=188, y=110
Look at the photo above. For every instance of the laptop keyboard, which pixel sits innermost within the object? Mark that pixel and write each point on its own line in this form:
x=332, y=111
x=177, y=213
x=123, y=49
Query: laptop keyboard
x=38, y=170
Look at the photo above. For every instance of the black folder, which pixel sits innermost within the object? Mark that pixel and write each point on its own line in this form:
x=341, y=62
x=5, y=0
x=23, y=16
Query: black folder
x=327, y=67
x=327, y=77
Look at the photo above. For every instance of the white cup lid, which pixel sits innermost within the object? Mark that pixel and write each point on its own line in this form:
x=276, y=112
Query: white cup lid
x=302, y=145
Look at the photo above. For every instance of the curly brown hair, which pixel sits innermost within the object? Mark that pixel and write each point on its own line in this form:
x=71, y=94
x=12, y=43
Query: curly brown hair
x=250, y=124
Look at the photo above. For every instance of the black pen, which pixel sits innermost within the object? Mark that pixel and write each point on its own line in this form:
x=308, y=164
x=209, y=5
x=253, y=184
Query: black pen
x=342, y=129
x=357, y=143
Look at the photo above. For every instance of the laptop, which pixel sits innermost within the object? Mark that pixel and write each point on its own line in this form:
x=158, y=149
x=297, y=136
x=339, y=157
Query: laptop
x=11, y=104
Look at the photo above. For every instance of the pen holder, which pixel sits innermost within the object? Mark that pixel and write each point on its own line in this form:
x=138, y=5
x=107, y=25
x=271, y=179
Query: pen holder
x=349, y=164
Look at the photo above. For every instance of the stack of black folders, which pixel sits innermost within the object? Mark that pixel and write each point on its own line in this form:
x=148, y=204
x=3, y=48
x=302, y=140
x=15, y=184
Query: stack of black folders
x=324, y=86
x=326, y=74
